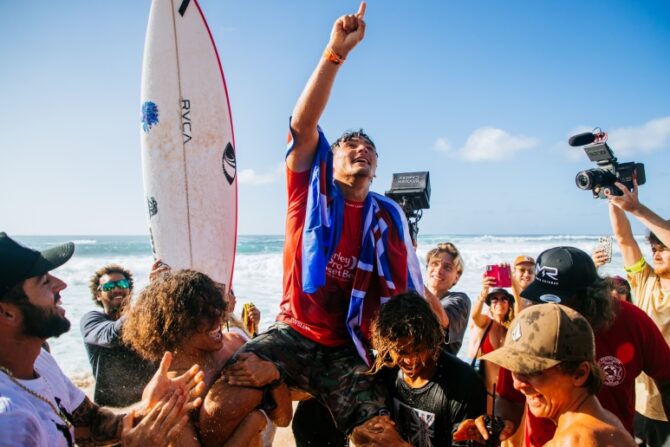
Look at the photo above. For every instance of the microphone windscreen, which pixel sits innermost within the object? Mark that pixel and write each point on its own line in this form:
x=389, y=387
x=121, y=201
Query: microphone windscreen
x=582, y=139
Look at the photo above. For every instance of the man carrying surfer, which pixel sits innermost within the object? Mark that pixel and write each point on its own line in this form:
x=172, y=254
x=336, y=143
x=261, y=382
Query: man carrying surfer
x=333, y=282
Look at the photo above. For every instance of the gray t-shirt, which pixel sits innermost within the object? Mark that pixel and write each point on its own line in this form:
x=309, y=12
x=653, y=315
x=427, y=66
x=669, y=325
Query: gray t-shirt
x=457, y=306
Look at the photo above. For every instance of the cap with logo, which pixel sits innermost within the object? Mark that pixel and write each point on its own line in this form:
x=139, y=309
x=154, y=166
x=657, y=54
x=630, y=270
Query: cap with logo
x=18, y=262
x=543, y=336
x=560, y=273
x=523, y=260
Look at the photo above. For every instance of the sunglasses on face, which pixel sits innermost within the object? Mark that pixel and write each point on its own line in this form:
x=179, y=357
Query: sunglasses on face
x=111, y=285
x=500, y=298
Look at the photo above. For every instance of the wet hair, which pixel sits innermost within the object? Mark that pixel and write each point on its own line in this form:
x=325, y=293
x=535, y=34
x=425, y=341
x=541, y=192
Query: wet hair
x=596, y=375
x=94, y=282
x=406, y=315
x=350, y=135
x=596, y=304
x=620, y=285
x=170, y=310
x=449, y=248
x=654, y=240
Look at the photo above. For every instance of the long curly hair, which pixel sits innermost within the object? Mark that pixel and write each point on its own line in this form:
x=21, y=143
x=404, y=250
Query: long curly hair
x=406, y=315
x=170, y=310
x=596, y=305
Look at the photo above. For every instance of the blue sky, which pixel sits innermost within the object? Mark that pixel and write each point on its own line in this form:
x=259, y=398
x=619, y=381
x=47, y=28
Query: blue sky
x=483, y=94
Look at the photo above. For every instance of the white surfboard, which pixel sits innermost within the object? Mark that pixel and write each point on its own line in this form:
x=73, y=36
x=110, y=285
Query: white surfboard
x=188, y=149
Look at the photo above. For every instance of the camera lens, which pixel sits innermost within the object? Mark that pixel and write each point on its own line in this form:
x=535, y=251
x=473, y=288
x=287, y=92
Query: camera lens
x=585, y=180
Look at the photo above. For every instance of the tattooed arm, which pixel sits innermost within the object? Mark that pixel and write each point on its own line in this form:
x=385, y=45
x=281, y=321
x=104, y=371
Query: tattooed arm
x=94, y=425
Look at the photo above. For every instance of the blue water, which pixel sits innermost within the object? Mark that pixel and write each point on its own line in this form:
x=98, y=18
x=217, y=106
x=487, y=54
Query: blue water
x=258, y=271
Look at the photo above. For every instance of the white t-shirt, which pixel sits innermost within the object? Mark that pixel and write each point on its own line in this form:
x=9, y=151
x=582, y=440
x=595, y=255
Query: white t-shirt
x=26, y=420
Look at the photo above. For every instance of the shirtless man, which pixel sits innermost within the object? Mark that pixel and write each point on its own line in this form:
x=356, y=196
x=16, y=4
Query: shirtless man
x=550, y=350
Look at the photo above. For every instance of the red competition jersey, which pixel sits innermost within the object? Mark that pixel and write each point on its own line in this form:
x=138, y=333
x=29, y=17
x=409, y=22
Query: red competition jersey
x=319, y=316
x=632, y=344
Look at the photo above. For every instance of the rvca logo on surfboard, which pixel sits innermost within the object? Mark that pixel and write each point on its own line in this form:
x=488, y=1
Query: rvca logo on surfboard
x=186, y=120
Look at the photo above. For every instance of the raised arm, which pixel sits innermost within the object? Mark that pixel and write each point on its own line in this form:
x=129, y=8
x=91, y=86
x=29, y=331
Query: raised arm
x=630, y=202
x=347, y=31
x=480, y=319
x=621, y=229
x=101, y=331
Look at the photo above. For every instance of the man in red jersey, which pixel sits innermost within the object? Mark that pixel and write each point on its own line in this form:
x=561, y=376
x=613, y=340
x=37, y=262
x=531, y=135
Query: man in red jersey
x=347, y=250
x=627, y=343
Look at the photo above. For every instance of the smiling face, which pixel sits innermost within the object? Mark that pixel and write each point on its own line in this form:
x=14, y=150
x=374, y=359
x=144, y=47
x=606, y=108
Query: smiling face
x=552, y=392
x=111, y=294
x=442, y=273
x=43, y=314
x=414, y=362
x=499, y=306
x=208, y=337
x=355, y=158
x=524, y=274
x=661, y=260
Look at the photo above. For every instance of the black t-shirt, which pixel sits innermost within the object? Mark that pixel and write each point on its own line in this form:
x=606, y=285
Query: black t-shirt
x=428, y=416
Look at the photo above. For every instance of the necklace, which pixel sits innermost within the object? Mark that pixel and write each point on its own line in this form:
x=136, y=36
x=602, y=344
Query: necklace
x=56, y=410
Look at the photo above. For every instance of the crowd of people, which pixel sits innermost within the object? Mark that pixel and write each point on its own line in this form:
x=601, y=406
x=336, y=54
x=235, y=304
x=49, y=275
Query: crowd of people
x=559, y=356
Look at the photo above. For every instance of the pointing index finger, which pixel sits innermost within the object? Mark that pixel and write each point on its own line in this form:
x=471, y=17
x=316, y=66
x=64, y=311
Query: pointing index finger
x=361, y=10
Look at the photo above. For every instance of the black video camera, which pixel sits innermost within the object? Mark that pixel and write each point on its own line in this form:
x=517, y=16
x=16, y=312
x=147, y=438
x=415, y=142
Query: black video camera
x=411, y=190
x=609, y=170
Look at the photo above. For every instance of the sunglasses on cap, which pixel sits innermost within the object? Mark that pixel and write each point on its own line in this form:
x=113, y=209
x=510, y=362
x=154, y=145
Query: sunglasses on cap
x=111, y=285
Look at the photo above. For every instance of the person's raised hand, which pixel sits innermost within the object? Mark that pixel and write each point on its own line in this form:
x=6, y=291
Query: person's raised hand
x=159, y=426
x=347, y=31
x=163, y=383
x=157, y=269
x=600, y=257
x=628, y=201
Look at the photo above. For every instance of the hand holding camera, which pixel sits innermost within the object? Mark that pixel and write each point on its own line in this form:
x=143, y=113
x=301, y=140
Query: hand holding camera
x=610, y=178
x=501, y=274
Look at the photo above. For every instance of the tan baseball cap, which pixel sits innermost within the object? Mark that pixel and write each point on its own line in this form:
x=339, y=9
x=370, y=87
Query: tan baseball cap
x=543, y=336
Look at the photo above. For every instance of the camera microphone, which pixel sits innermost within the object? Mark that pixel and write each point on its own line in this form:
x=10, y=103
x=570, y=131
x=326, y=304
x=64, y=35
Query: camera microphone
x=582, y=139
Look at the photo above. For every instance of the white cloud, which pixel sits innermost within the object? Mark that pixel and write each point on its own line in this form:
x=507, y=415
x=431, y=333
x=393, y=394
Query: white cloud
x=251, y=177
x=442, y=145
x=648, y=137
x=491, y=144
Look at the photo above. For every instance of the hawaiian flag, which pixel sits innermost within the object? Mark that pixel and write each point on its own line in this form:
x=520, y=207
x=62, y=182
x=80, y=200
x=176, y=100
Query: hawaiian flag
x=387, y=263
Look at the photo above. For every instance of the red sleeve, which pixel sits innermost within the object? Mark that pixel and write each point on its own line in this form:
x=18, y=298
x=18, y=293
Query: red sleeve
x=656, y=352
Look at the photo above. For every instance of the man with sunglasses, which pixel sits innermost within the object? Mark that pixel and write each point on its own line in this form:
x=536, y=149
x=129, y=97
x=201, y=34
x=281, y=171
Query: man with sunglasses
x=120, y=373
x=39, y=404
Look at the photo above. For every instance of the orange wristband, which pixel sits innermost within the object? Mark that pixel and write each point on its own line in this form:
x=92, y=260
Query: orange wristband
x=332, y=56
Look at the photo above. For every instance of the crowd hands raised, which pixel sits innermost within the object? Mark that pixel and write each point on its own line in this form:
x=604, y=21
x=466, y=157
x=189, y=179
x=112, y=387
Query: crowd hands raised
x=561, y=345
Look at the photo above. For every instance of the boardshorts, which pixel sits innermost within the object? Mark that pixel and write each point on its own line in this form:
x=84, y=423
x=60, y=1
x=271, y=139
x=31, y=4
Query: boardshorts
x=337, y=376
